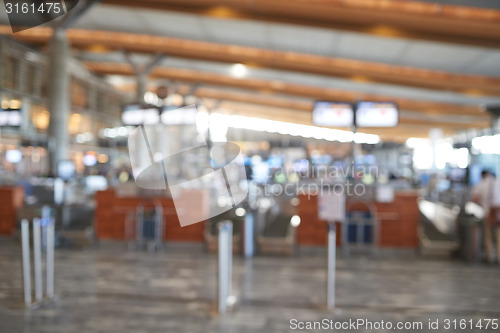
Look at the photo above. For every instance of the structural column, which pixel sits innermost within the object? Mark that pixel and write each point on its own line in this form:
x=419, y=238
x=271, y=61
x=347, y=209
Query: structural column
x=435, y=135
x=59, y=99
x=142, y=72
x=142, y=87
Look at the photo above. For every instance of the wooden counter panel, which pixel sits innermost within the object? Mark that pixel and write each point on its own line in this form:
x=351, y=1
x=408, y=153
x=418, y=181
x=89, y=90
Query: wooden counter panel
x=191, y=233
x=312, y=230
x=112, y=213
x=11, y=199
x=398, y=222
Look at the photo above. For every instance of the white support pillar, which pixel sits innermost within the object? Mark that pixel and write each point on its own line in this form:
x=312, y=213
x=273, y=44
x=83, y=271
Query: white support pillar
x=59, y=100
x=435, y=135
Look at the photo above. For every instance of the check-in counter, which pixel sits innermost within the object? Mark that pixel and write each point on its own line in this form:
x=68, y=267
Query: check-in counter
x=398, y=221
x=11, y=199
x=112, y=212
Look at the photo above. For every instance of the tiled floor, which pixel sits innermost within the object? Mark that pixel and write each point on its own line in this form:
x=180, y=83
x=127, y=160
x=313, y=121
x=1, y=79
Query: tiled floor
x=110, y=289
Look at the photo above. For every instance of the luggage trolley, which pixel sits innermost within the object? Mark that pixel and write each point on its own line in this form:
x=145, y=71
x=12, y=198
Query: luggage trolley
x=148, y=229
x=361, y=230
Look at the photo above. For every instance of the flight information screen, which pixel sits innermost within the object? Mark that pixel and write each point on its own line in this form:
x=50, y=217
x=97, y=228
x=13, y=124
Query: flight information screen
x=333, y=114
x=377, y=114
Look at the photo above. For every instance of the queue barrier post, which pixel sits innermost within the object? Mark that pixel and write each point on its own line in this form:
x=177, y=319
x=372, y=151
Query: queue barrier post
x=46, y=227
x=225, y=262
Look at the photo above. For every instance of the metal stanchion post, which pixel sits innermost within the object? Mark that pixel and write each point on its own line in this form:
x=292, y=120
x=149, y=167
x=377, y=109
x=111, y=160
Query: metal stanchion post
x=249, y=234
x=230, y=259
x=49, y=235
x=50, y=259
x=225, y=264
x=37, y=248
x=25, y=236
x=332, y=240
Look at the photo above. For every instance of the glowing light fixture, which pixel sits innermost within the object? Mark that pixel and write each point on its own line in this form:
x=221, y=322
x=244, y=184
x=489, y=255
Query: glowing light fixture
x=239, y=71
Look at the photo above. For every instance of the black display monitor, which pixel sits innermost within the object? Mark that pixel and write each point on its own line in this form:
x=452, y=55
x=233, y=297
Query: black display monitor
x=10, y=118
x=333, y=114
x=138, y=114
x=377, y=114
x=172, y=115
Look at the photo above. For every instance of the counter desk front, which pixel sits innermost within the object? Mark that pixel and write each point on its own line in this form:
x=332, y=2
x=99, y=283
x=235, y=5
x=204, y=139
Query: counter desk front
x=398, y=221
x=11, y=199
x=112, y=212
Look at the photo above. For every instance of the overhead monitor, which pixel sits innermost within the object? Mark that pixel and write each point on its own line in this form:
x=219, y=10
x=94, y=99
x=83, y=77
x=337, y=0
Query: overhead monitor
x=10, y=117
x=137, y=114
x=14, y=156
x=377, y=114
x=333, y=114
x=178, y=116
x=493, y=109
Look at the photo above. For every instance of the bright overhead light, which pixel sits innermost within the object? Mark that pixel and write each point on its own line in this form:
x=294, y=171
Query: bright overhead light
x=366, y=138
x=239, y=71
x=285, y=128
x=487, y=144
x=461, y=157
x=15, y=104
x=413, y=143
x=151, y=98
x=218, y=125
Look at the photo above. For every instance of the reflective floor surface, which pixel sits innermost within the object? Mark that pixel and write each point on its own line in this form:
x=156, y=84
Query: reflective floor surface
x=112, y=289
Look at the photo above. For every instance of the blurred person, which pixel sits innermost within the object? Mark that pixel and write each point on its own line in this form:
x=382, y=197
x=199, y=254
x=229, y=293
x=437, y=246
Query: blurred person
x=495, y=216
x=483, y=194
x=432, y=187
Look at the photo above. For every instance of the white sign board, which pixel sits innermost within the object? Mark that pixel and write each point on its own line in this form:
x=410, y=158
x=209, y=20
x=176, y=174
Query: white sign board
x=10, y=118
x=385, y=193
x=136, y=114
x=181, y=116
x=331, y=206
x=333, y=114
x=377, y=114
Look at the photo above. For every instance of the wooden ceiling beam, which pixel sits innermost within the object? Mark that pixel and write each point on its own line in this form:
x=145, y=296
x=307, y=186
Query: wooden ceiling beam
x=303, y=108
x=299, y=111
x=355, y=70
x=398, y=133
x=281, y=87
x=389, y=18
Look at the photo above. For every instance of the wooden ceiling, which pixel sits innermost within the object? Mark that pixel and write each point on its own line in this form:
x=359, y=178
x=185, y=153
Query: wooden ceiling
x=389, y=18
x=293, y=61
x=282, y=87
x=303, y=106
x=394, y=134
x=393, y=18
